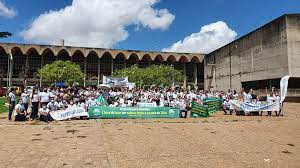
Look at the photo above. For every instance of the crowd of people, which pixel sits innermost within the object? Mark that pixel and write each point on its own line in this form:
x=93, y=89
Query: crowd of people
x=41, y=101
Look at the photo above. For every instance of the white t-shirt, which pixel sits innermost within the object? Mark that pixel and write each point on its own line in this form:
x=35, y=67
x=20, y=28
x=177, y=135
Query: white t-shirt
x=52, y=106
x=247, y=97
x=45, y=97
x=92, y=102
x=35, y=98
x=24, y=97
x=12, y=96
x=19, y=108
x=44, y=111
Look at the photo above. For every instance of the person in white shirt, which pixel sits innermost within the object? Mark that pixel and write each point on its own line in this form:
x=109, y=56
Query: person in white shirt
x=45, y=114
x=35, y=105
x=247, y=96
x=92, y=101
x=25, y=99
x=53, y=105
x=20, y=111
x=63, y=104
x=44, y=97
x=12, y=102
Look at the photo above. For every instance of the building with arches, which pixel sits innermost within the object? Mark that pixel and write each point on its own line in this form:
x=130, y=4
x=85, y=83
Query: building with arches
x=94, y=62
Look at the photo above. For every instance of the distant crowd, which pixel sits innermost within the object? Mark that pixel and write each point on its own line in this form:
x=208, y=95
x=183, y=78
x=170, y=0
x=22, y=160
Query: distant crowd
x=39, y=102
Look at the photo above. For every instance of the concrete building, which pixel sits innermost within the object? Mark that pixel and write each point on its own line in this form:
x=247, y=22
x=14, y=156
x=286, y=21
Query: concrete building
x=258, y=59
x=95, y=62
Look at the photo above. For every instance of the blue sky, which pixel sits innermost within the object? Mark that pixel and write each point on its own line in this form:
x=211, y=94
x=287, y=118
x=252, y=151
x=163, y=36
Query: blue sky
x=241, y=16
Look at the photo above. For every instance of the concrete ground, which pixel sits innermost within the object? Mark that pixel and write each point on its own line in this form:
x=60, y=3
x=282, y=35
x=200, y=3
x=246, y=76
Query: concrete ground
x=218, y=141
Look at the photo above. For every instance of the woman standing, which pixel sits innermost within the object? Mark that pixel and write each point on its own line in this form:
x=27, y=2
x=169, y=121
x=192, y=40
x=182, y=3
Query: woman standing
x=12, y=102
x=35, y=105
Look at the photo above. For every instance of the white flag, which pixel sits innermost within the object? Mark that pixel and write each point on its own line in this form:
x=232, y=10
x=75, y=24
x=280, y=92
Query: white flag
x=283, y=87
x=10, y=56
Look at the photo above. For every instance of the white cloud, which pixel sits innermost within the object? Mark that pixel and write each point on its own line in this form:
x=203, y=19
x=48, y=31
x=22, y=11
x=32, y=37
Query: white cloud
x=210, y=37
x=97, y=23
x=6, y=11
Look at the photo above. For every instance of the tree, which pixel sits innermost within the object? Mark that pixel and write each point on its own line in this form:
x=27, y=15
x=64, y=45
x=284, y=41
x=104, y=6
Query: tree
x=62, y=71
x=5, y=34
x=159, y=75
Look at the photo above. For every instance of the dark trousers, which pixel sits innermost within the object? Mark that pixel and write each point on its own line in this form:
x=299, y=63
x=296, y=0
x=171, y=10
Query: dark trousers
x=20, y=117
x=34, y=110
x=46, y=118
x=11, y=109
x=25, y=106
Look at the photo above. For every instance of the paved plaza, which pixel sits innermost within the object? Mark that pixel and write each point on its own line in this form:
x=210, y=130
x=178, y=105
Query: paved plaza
x=218, y=141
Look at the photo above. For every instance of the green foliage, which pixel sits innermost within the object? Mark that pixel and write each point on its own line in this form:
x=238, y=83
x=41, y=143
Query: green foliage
x=3, y=108
x=62, y=71
x=5, y=34
x=159, y=75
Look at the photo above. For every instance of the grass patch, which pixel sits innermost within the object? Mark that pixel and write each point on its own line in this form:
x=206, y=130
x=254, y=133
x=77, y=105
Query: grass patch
x=81, y=136
x=291, y=144
x=3, y=108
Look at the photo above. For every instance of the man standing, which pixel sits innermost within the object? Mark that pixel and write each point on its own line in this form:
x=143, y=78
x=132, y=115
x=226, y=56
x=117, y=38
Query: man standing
x=12, y=102
x=44, y=98
x=25, y=99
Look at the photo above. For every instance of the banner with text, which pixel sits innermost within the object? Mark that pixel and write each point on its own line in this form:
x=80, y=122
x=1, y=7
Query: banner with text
x=133, y=112
x=199, y=110
x=283, y=87
x=213, y=104
x=69, y=113
x=249, y=107
x=115, y=82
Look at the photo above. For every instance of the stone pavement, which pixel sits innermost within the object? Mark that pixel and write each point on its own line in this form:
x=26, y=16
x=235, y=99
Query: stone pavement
x=219, y=141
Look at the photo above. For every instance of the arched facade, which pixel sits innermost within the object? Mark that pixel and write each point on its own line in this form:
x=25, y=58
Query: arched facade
x=94, y=62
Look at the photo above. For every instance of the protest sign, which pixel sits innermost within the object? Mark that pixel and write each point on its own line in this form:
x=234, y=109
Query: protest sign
x=199, y=110
x=132, y=112
x=69, y=113
x=213, y=104
x=113, y=82
x=250, y=107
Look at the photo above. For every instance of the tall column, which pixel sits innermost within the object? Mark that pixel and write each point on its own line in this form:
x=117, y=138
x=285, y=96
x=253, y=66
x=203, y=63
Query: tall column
x=84, y=71
x=112, y=66
x=195, y=73
x=42, y=64
x=99, y=73
x=26, y=71
x=11, y=69
x=184, y=76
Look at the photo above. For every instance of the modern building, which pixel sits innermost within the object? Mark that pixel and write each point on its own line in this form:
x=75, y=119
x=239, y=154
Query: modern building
x=258, y=59
x=94, y=62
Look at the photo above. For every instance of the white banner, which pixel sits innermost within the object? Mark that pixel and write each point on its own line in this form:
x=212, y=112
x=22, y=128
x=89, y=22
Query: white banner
x=69, y=113
x=249, y=107
x=115, y=81
x=283, y=87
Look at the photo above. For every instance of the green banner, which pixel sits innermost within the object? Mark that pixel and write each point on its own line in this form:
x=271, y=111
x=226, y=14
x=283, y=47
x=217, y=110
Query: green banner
x=199, y=110
x=213, y=104
x=132, y=112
